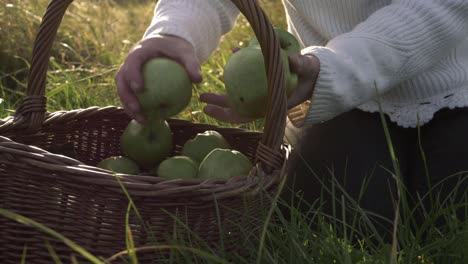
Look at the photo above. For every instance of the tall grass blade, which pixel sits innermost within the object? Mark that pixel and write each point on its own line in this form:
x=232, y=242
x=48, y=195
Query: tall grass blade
x=397, y=173
x=23, y=256
x=423, y=156
x=53, y=253
x=220, y=226
x=199, y=252
x=29, y=222
x=135, y=209
x=270, y=215
x=73, y=260
x=129, y=237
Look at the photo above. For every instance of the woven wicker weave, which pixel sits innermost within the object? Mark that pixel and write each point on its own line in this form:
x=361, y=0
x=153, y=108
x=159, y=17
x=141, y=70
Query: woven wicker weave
x=298, y=113
x=47, y=168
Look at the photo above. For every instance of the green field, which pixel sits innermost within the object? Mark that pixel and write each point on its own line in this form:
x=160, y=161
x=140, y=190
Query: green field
x=93, y=41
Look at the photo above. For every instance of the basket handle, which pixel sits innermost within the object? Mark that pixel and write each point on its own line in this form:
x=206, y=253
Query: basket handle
x=268, y=152
x=31, y=112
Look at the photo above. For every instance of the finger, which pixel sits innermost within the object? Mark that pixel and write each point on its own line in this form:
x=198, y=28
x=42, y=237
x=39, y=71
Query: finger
x=128, y=99
x=187, y=58
x=192, y=66
x=133, y=68
x=303, y=64
x=295, y=63
x=225, y=114
x=220, y=100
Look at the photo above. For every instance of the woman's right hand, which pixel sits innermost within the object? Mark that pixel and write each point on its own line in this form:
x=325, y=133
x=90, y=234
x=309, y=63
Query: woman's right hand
x=307, y=67
x=129, y=78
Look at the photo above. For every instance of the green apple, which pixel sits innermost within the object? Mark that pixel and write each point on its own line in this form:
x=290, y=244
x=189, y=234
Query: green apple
x=245, y=75
x=167, y=89
x=147, y=144
x=178, y=167
x=203, y=143
x=288, y=41
x=119, y=164
x=246, y=81
x=224, y=163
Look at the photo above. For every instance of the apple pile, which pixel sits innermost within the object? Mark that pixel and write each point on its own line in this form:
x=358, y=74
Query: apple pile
x=207, y=155
x=245, y=76
x=147, y=147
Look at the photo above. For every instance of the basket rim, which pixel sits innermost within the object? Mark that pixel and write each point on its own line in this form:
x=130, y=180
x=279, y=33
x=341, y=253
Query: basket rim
x=138, y=185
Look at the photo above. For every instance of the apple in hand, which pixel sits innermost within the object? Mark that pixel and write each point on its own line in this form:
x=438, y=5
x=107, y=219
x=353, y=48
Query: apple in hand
x=288, y=41
x=246, y=81
x=167, y=89
x=245, y=76
x=147, y=144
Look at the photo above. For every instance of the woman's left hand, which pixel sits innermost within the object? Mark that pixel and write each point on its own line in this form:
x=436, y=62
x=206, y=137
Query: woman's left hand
x=307, y=68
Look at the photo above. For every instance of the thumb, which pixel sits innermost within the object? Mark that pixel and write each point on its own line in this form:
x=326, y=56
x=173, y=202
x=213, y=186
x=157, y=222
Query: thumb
x=307, y=68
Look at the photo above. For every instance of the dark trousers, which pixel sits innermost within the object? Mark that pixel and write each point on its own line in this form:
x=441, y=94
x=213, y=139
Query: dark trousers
x=348, y=158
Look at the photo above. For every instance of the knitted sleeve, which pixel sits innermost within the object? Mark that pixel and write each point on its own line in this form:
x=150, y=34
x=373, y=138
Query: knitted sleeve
x=200, y=22
x=395, y=43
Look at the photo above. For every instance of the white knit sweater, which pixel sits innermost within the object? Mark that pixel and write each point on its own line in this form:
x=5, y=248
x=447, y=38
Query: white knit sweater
x=413, y=53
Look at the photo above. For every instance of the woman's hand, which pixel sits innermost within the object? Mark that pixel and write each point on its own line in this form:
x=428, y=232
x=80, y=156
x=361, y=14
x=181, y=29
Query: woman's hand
x=129, y=79
x=307, y=68
x=218, y=108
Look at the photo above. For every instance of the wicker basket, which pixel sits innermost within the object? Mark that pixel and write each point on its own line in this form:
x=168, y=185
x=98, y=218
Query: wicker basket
x=48, y=173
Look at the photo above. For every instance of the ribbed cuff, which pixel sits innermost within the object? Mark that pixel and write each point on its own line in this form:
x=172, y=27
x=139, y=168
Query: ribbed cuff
x=323, y=106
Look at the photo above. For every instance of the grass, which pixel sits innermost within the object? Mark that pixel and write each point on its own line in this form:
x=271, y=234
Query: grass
x=92, y=42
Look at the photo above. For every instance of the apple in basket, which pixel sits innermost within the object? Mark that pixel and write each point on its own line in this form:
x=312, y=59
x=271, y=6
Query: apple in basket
x=119, y=164
x=224, y=163
x=203, y=143
x=147, y=144
x=245, y=76
x=177, y=167
x=167, y=89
